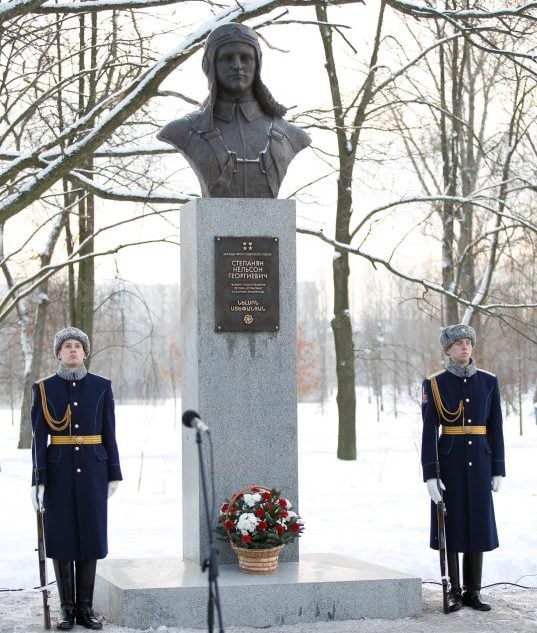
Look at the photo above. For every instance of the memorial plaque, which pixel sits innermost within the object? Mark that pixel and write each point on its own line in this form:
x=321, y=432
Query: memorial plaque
x=247, y=289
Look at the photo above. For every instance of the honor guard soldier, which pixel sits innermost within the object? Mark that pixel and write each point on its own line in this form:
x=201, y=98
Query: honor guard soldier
x=76, y=468
x=462, y=403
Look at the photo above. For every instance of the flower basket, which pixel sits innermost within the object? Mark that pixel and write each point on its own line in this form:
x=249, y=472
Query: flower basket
x=257, y=522
x=258, y=561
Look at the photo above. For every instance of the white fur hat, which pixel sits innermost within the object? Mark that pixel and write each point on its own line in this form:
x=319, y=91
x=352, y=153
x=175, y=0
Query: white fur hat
x=453, y=333
x=71, y=332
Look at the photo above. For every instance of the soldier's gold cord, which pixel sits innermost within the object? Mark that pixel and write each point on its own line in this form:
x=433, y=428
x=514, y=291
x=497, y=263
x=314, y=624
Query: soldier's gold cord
x=445, y=414
x=55, y=425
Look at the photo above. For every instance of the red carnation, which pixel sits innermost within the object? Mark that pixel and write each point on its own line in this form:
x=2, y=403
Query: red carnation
x=265, y=496
x=283, y=503
x=262, y=526
x=284, y=513
x=246, y=538
x=280, y=529
x=260, y=513
x=224, y=508
x=229, y=524
x=295, y=527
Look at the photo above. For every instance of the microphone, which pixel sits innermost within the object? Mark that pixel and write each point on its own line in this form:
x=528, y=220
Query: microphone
x=193, y=421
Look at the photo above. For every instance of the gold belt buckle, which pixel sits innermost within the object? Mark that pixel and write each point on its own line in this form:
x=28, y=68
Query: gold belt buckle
x=79, y=439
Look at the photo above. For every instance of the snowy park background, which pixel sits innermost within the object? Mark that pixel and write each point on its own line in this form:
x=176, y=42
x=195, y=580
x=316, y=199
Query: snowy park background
x=375, y=508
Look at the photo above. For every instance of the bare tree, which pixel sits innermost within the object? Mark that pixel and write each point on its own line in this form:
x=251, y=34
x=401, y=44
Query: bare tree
x=77, y=126
x=483, y=150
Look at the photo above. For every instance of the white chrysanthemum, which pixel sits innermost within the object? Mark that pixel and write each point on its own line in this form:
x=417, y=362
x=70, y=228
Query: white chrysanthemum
x=251, y=500
x=247, y=523
x=291, y=514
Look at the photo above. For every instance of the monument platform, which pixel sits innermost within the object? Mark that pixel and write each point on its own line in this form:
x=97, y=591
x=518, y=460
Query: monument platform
x=152, y=592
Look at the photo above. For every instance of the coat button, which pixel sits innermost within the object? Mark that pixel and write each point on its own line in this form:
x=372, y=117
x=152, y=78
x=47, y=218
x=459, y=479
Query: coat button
x=467, y=399
x=469, y=420
x=78, y=470
x=469, y=442
x=469, y=464
x=75, y=404
x=464, y=380
x=76, y=426
x=74, y=384
x=77, y=448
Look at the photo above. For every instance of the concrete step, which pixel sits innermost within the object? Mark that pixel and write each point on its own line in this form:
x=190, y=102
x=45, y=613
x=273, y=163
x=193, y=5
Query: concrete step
x=152, y=592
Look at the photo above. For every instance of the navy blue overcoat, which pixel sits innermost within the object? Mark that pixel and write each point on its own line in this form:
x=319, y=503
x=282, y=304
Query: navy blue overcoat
x=76, y=477
x=467, y=462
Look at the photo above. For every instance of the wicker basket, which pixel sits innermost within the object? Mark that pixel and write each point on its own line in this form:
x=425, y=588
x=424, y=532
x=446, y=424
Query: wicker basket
x=258, y=561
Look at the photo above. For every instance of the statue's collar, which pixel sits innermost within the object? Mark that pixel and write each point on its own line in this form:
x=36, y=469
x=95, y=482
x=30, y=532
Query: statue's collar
x=225, y=110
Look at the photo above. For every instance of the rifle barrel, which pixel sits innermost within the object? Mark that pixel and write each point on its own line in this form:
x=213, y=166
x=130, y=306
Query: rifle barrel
x=43, y=569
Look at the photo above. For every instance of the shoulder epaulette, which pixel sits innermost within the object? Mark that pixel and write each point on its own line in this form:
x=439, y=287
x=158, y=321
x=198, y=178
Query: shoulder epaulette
x=105, y=378
x=436, y=373
x=487, y=372
x=45, y=378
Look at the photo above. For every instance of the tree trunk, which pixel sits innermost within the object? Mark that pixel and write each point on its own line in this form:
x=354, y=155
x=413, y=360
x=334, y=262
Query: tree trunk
x=341, y=322
x=34, y=369
x=449, y=143
x=86, y=220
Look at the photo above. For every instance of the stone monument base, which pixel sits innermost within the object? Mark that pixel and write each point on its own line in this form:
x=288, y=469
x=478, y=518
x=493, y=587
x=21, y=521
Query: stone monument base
x=153, y=592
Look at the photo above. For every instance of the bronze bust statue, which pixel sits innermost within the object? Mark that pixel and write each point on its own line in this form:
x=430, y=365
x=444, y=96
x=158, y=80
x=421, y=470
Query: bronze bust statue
x=238, y=143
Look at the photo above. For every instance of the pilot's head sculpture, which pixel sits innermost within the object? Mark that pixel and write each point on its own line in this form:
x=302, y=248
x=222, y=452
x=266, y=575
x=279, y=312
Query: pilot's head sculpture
x=238, y=143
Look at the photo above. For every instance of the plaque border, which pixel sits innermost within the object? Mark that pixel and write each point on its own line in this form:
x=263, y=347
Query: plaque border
x=223, y=326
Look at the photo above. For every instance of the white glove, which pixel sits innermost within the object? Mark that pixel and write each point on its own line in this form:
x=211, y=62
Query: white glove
x=37, y=499
x=432, y=489
x=112, y=487
x=496, y=483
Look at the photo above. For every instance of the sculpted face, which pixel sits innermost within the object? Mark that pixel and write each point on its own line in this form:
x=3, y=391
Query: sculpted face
x=235, y=65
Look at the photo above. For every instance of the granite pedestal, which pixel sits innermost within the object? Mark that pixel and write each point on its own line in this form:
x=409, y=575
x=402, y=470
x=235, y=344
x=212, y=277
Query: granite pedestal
x=147, y=593
x=242, y=383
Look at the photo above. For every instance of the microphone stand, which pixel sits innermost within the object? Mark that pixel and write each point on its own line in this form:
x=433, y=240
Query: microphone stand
x=210, y=564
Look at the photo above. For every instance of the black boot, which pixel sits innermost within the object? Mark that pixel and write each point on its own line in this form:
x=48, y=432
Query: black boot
x=63, y=569
x=472, y=566
x=454, y=595
x=85, y=582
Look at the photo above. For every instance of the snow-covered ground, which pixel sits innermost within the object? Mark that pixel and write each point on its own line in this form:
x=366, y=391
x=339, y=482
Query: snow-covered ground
x=375, y=508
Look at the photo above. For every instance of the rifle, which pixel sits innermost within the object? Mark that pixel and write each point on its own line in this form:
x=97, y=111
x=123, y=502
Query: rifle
x=41, y=552
x=447, y=416
x=441, y=518
x=43, y=568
